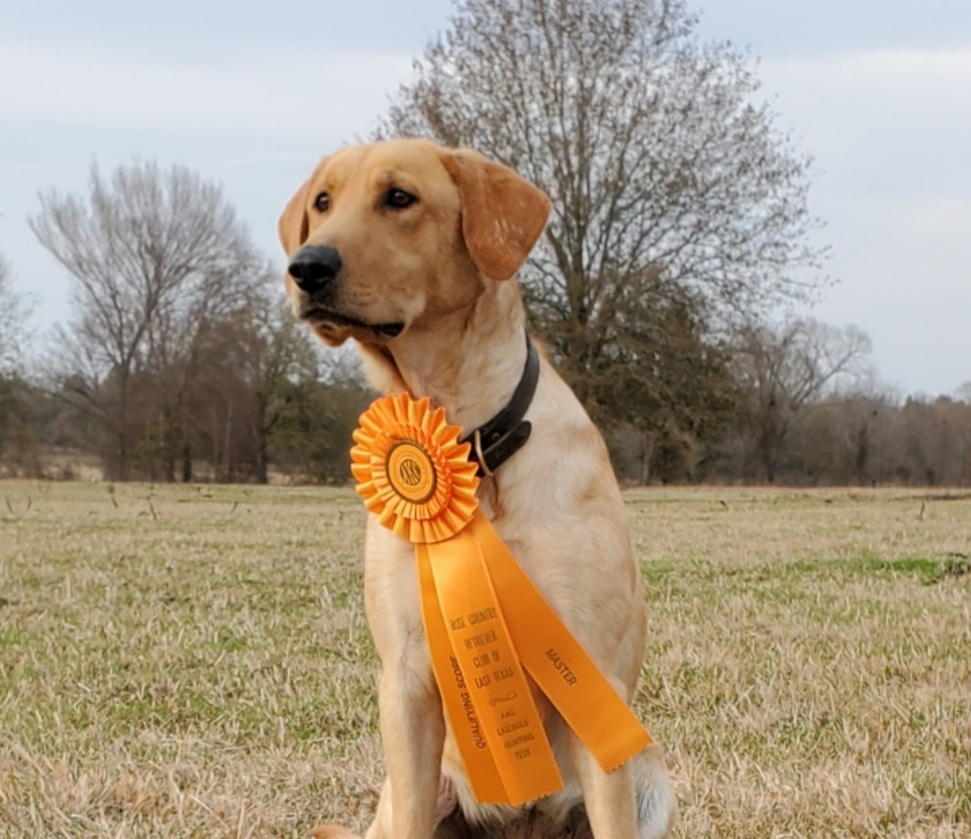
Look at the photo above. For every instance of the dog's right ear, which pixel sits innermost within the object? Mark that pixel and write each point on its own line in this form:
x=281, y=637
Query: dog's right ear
x=294, y=225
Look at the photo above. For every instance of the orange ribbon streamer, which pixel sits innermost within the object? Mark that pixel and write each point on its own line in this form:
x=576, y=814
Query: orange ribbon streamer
x=484, y=619
x=478, y=641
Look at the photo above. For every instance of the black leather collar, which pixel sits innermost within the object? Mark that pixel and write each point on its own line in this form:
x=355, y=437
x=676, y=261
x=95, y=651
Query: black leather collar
x=505, y=434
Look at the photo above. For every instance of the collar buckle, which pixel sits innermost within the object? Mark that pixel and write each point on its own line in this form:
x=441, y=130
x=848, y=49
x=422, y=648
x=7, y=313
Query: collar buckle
x=479, y=454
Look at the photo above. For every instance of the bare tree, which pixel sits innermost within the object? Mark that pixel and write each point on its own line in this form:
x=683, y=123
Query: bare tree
x=13, y=314
x=843, y=439
x=263, y=352
x=931, y=442
x=184, y=340
x=663, y=380
x=783, y=371
x=156, y=256
x=673, y=193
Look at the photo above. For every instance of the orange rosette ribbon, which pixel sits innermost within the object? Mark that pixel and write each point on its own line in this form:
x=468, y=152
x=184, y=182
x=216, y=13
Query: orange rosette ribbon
x=486, y=623
x=412, y=471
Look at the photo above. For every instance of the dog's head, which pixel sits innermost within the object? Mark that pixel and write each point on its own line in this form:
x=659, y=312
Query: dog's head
x=390, y=235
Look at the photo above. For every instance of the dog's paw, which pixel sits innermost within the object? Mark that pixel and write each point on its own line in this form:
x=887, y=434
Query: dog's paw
x=657, y=802
x=330, y=831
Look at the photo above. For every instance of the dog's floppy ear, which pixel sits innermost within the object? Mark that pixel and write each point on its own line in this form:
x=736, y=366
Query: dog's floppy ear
x=294, y=225
x=503, y=214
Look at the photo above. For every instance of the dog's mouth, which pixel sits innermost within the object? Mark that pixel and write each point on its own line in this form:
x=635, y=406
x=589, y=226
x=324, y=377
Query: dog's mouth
x=320, y=315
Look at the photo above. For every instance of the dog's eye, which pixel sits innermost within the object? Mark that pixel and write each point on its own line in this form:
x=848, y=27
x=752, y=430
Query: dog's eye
x=322, y=202
x=399, y=199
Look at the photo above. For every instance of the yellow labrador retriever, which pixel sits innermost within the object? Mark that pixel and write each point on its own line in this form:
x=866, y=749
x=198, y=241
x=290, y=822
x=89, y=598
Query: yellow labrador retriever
x=411, y=249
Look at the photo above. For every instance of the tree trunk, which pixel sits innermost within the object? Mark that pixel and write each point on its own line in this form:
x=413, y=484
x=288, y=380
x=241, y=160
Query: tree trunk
x=123, y=429
x=186, y=462
x=862, y=455
x=227, y=443
x=648, y=441
x=262, y=476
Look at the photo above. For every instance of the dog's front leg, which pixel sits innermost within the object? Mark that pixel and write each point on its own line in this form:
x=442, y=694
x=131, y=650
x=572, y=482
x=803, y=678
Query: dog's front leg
x=609, y=799
x=634, y=801
x=413, y=732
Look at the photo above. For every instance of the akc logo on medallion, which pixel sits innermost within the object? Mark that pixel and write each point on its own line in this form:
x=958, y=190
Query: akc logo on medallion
x=411, y=472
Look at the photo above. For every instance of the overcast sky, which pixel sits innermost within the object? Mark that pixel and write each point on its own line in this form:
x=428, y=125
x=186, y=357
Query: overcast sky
x=251, y=94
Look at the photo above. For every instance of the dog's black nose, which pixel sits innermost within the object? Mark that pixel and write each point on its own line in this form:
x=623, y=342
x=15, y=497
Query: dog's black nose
x=313, y=266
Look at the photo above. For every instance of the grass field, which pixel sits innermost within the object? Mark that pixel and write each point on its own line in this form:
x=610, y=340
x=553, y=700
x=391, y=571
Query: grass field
x=194, y=662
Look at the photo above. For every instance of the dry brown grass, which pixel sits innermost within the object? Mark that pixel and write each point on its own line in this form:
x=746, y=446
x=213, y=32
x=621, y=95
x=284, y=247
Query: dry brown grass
x=194, y=661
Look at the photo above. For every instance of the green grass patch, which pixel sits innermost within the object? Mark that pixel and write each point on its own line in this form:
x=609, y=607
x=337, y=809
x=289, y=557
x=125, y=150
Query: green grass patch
x=194, y=661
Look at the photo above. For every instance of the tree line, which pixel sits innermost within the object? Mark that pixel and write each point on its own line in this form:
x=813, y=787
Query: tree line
x=181, y=361
x=182, y=365
x=680, y=220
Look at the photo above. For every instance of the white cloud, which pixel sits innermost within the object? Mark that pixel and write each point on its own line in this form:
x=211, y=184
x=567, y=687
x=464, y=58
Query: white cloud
x=255, y=118
x=890, y=130
x=880, y=67
x=62, y=84
x=881, y=103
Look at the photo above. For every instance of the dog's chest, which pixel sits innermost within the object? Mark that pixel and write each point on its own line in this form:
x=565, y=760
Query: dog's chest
x=392, y=594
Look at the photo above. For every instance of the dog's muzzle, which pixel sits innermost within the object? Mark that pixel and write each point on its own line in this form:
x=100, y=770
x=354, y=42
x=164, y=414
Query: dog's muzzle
x=315, y=270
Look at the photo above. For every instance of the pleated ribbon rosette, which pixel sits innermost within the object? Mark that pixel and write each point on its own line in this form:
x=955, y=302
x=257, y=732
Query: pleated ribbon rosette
x=486, y=623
